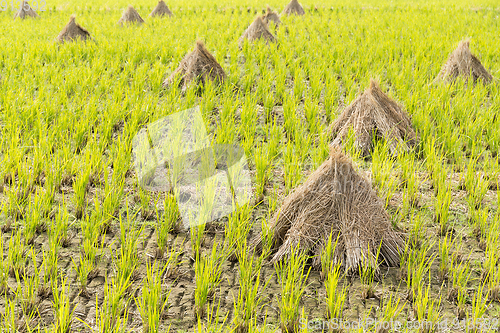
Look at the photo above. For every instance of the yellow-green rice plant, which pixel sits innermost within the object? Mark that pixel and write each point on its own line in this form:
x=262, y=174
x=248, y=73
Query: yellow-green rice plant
x=292, y=278
x=62, y=308
x=153, y=300
x=335, y=299
x=442, y=208
x=128, y=259
x=426, y=309
x=368, y=272
x=479, y=307
x=383, y=172
x=112, y=314
x=250, y=295
x=80, y=189
x=27, y=289
x=10, y=322
x=292, y=169
x=418, y=267
x=445, y=245
x=202, y=284
x=16, y=258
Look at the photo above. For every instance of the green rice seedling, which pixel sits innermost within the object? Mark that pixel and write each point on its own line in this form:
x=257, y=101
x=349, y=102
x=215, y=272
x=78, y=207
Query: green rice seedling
x=215, y=262
x=426, y=310
x=299, y=84
x=418, y=266
x=445, y=245
x=475, y=184
x=15, y=205
x=292, y=277
x=171, y=214
x=291, y=120
x=335, y=299
x=197, y=232
x=80, y=188
x=248, y=123
x=30, y=223
x=350, y=145
x=479, y=306
x=479, y=223
x=391, y=308
x=214, y=321
x=112, y=315
x=262, y=169
x=368, y=272
x=327, y=256
x=457, y=292
x=267, y=241
x=90, y=232
x=27, y=289
x=292, y=169
x=83, y=268
x=303, y=142
x=237, y=229
x=409, y=181
x=10, y=323
x=16, y=255
x=172, y=262
x=49, y=272
x=320, y=153
x=202, y=278
x=250, y=298
x=383, y=172
x=274, y=135
x=153, y=300
x=128, y=260
x=165, y=224
x=144, y=203
x=442, y=208
x=273, y=201
x=58, y=231
x=490, y=269
x=417, y=230
x=63, y=314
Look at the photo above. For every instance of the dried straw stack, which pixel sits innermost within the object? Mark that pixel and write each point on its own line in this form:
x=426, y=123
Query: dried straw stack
x=161, y=10
x=72, y=32
x=257, y=30
x=462, y=62
x=335, y=200
x=294, y=8
x=22, y=13
x=375, y=114
x=130, y=15
x=197, y=66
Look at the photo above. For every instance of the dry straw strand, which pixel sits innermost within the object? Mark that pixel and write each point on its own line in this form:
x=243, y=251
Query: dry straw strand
x=375, y=114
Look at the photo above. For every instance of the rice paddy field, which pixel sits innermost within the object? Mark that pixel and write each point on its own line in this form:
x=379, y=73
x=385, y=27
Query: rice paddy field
x=87, y=249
